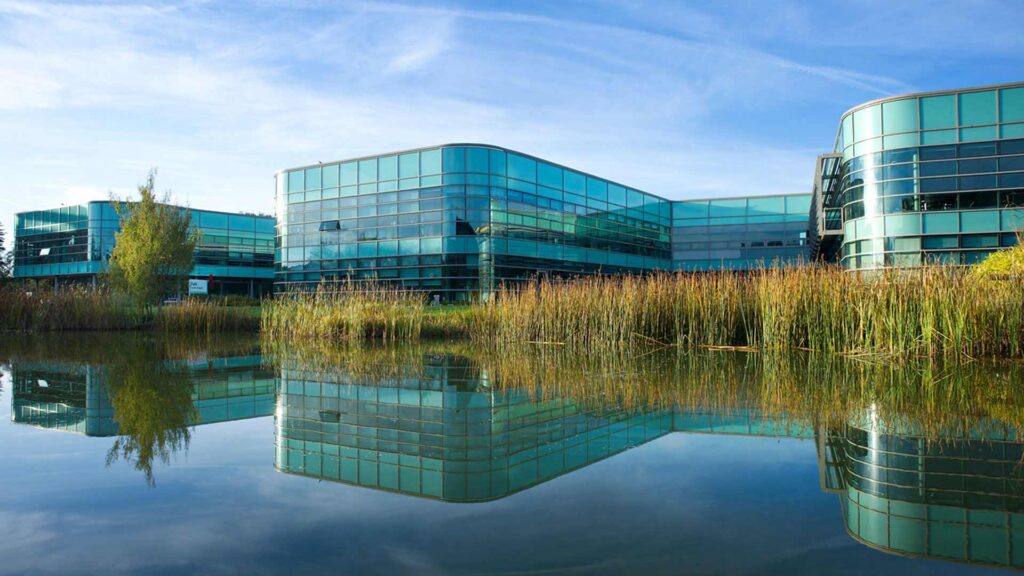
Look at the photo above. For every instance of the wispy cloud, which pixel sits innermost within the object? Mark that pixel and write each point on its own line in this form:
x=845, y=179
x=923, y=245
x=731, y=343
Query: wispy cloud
x=685, y=100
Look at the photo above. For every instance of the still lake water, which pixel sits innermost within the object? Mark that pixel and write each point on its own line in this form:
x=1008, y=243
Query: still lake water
x=130, y=454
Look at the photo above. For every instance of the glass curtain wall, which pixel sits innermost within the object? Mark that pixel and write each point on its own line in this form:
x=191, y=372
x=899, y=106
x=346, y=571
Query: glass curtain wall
x=457, y=221
x=740, y=233
x=74, y=243
x=935, y=177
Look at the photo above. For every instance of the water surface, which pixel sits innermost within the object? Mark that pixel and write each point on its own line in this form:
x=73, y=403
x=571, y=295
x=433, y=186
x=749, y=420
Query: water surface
x=136, y=454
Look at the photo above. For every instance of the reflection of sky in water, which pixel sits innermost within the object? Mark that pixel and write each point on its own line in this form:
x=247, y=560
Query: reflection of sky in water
x=684, y=503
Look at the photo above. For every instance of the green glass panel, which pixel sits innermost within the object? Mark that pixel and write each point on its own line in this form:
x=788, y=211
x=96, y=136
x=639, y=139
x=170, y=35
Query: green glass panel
x=549, y=175
x=978, y=108
x=768, y=205
x=368, y=170
x=727, y=207
x=978, y=134
x=522, y=168
x=575, y=182
x=349, y=174
x=312, y=178
x=409, y=165
x=296, y=181
x=430, y=162
x=938, y=137
x=900, y=141
x=902, y=225
x=696, y=209
x=387, y=168
x=453, y=159
x=941, y=223
x=1011, y=104
x=899, y=116
x=477, y=160
x=938, y=111
x=1013, y=131
x=979, y=221
x=329, y=176
x=1013, y=220
x=867, y=123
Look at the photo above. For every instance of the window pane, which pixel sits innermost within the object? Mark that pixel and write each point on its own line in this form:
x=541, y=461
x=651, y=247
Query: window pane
x=938, y=111
x=349, y=174
x=329, y=176
x=698, y=209
x=899, y=116
x=409, y=165
x=453, y=159
x=867, y=123
x=312, y=178
x=1011, y=105
x=548, y=175
x=430, y=162
x=388, y=168
x=522, y=168
x=978, y=108
x=296, y=181
x=368, y=170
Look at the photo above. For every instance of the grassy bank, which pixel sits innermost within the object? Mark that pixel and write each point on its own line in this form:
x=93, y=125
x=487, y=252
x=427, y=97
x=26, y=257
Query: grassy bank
x=83, y=309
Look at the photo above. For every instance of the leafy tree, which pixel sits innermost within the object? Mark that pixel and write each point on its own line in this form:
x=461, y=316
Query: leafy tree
x=155, y=249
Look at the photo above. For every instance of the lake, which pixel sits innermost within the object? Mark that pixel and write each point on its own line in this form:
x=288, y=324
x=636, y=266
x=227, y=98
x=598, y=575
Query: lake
x=139, y=454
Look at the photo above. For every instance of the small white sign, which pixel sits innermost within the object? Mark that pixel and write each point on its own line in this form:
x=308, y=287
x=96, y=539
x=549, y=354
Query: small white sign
x=198, y=287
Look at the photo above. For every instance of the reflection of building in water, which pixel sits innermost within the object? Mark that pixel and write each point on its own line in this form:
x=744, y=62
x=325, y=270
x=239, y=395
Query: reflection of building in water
x=959, y=499
x=74, y=397
x=445, y=433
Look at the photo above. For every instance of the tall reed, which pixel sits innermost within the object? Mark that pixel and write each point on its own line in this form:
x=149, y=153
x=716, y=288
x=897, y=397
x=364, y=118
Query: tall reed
x=367, y=313
x=931, y=311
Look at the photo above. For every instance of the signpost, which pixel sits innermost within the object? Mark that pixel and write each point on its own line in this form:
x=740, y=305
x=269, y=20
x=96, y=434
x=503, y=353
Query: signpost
x=198, y=287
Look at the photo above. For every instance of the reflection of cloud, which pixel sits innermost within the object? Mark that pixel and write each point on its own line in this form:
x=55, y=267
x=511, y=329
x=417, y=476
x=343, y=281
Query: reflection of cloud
x=23, y=531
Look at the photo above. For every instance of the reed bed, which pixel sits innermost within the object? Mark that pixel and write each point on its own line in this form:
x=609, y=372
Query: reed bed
x=932, y=311
x=69, y=309
x=368, y=313
x=206, y=317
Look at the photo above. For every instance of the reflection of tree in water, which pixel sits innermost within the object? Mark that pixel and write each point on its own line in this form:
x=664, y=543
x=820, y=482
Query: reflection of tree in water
x=152, y=401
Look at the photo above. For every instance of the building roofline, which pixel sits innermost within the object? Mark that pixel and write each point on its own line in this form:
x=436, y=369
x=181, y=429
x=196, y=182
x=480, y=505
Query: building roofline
x=924, y=94
x=1017, y=84
x=779, y=195
x=86, y=203
x=475, y=145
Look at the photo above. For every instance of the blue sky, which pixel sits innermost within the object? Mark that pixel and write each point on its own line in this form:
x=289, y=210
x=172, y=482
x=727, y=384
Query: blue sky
x=680, y=99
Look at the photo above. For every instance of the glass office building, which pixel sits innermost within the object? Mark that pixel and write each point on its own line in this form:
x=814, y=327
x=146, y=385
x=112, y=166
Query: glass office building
x=72, y=244
x=931, y=177
x=459, y=220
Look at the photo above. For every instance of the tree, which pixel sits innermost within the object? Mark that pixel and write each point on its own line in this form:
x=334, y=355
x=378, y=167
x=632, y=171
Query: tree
x=155, y=249
x=6, y=258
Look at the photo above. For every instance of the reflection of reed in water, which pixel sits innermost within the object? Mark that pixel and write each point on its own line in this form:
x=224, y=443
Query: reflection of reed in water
x=941, y=399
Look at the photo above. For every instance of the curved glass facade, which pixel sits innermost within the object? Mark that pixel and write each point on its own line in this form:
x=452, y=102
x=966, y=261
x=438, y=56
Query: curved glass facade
x=458, y=220
x=957, y=499
x=936, y=177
